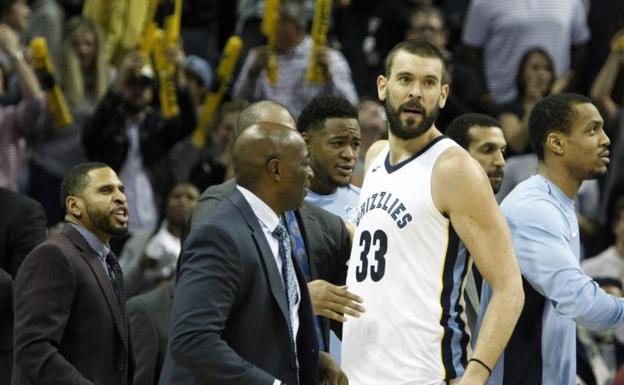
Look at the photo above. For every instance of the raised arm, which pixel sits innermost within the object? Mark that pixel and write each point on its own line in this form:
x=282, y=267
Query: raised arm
x=461, y=190
x=602, y=87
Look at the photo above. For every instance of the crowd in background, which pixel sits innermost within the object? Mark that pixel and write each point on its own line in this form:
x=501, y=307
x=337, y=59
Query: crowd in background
x=503, y=57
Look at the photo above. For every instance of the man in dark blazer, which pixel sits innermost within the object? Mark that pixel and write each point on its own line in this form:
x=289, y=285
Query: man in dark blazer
x=234, y=321
x=328, y=246
x=22, y=227
x=149, y=315
x=70, y=317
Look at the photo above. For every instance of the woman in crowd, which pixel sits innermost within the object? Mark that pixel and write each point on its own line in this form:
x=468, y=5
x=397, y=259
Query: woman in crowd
x=84, y=77
x=534, y=80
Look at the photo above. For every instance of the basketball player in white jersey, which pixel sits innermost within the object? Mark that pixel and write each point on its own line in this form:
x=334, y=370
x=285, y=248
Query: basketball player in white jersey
x=422, y=193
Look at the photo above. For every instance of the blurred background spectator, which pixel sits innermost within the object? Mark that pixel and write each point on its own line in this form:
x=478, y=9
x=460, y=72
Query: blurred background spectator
x=150, y=255
x=294, y=47
x=534, y=80
x=84, y=77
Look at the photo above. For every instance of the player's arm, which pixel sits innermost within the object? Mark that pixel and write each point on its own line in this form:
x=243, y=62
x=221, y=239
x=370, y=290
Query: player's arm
x=461, y=190
x=551, y=267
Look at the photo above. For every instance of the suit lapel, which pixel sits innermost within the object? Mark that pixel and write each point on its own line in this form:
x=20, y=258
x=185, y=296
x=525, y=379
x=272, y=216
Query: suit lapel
x=266, y=255
x=310, y=231
x=93, y=260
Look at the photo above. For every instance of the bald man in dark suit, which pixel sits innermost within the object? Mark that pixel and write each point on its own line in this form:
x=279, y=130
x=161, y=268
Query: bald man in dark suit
x=242, y=314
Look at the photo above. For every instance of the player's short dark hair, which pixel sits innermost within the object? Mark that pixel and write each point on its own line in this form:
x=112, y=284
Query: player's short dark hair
x=552, y=113
x=459, y=127
x=416, y=47
x=77, y=179
x=322, y=108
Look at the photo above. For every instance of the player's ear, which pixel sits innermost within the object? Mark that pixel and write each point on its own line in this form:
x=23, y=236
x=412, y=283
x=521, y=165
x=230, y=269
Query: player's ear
x=555, y=142
x=382, y=90
x=306, y=138
x=74, y=206
x=273, y=168
x=443, y=95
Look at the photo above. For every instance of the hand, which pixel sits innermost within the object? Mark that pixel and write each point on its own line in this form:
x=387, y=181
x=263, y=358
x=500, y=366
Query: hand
x=260, y=60
x=333, y=301
x=617, y=42
x=175, y=55
x=561, y=84
x=322, y=58
x=329, y=372
x=617, y=45
x=350, y=229
x=131, y=64
x=9, y=42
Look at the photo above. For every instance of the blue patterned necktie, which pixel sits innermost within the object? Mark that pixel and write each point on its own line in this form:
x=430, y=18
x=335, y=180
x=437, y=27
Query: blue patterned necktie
x=298, y=245
x=288, y=269
x=288, y=276
x=299, y=250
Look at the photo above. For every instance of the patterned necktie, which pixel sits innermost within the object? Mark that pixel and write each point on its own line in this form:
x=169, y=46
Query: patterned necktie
x=288, y=269
x=116, y=277
x=299, y=250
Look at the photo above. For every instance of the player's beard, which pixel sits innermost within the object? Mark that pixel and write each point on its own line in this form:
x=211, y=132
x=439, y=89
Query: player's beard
x=496, y=173
x=404, y=130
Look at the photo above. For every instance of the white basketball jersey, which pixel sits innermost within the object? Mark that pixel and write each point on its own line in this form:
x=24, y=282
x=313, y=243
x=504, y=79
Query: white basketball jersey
x=405, y=265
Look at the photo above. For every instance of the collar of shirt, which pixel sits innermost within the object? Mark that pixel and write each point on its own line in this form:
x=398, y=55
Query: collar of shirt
x=96, y=244
x=266, y=216
x=302, y=48
x=556, y=192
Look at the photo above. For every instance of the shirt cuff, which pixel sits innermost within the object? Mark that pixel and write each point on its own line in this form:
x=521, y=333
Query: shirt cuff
x=277, y=382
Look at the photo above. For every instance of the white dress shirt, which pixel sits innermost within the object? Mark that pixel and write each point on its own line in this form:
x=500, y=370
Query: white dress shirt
x=268, y=222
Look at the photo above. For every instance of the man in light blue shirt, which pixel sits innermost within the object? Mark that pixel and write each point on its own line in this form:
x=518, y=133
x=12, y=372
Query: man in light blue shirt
x=566, y=133
x=330, y=127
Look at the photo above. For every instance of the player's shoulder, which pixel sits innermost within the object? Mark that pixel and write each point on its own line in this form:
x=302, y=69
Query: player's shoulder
x=373, y=152
x=530, y=202
x=455, y=163
x=352, y=189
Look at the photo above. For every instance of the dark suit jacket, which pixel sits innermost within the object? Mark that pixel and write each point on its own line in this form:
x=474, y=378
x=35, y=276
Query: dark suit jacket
x=326, y=238
x=149, y=327
x=68, y=325
x=230, y=323
x=22, y=227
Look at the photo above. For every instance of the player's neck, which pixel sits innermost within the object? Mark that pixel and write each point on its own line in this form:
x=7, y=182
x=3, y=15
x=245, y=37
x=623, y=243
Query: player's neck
x=566, y=182
x=401, y=150
x=321, y=187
